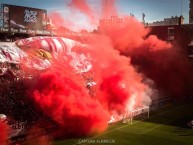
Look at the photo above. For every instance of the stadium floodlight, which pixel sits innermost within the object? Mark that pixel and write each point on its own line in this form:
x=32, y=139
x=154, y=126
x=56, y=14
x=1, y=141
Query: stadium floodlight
x=129, y=115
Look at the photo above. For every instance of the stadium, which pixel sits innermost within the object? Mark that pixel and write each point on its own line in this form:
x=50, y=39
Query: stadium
x=95, y=89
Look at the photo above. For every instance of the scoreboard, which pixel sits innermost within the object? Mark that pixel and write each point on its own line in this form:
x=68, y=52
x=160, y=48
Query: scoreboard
x=24, y=20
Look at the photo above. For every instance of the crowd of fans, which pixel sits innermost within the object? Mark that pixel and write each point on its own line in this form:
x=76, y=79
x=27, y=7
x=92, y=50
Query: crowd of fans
x=16, y=104
x=13, y=89
x=13, y=92
x=11, y=38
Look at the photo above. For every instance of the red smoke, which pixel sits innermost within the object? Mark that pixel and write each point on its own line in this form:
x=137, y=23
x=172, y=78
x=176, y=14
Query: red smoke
x=157, y=59
x=117, y=80
x=122, y=58
x=130, y=35
x=62, y=95
x=170, y=70
x=84, y=8
x=4, y=131
x=56, y=19
x=58, y=25
x=108, y=8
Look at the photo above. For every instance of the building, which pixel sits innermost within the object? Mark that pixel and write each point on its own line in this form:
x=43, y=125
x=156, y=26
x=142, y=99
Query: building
x=113, y=20
x=169, y=21
x=182, y=35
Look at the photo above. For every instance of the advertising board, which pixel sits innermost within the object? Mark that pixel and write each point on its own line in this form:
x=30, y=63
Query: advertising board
x=24, y=17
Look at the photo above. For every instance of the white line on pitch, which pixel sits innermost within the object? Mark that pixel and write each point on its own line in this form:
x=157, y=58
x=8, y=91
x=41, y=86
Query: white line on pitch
x=137, y=122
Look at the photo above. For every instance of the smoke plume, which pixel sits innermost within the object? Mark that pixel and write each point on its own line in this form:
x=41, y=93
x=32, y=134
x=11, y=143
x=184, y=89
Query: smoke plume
x=123, y=57
x=4, y=132
x=61, y=94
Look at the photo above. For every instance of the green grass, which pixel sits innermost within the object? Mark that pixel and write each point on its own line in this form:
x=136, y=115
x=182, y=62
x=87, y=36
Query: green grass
x=166, y=126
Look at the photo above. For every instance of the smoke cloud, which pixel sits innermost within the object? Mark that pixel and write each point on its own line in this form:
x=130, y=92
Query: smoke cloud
x=123, y=57
x=4, y=132
x=61, y=94
x=83, y=7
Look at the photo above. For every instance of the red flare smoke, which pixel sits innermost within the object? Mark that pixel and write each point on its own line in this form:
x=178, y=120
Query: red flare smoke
x=60, y=25
x=117, y=80
x=170, y=70
x=157, y=59
x=62, y=95
x=56, y=19
x=84, y=8
x=130, y=35
x=4, y=131
x=108, y=8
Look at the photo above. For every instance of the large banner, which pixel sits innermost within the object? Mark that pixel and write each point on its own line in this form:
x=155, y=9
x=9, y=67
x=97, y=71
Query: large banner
x=24, y=17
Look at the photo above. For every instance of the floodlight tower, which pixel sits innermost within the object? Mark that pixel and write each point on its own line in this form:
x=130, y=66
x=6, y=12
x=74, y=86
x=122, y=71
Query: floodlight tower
x=108, y=8
x=104, y=8
x=191, y=11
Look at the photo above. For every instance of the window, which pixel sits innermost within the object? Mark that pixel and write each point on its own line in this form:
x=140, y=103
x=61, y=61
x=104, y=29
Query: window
x=171, y=33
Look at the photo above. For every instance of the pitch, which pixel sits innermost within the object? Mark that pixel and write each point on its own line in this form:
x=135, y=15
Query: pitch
x=165, y=126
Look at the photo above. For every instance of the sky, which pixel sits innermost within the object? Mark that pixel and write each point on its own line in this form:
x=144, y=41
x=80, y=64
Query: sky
x=154, y=10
